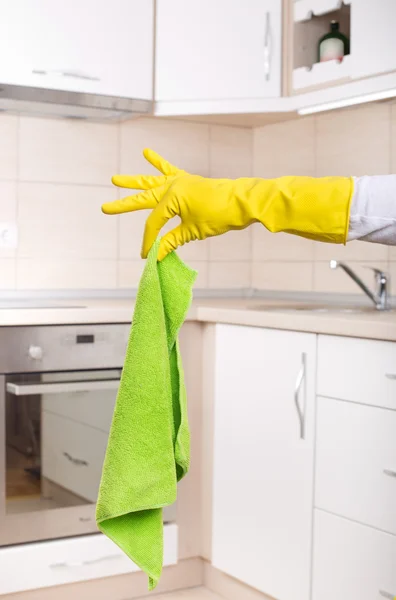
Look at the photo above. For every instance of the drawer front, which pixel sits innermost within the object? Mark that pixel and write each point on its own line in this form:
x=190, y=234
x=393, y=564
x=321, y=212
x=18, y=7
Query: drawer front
x=47, y=564
x=94, y=409
x=358, y=370
x=72, y=455
x=352, y=561
x=356, y=462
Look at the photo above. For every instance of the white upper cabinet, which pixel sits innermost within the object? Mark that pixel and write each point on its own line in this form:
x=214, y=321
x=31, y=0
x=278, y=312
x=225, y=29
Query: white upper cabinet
x=90, y=46
x=373, y=39
x=263, y=458
x=369, y=26
x=218, y=50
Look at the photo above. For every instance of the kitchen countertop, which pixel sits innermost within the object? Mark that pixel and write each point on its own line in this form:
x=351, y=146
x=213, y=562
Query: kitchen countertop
x=239, y=311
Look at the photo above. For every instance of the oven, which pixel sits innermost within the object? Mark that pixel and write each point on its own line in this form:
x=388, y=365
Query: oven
x=58, y=386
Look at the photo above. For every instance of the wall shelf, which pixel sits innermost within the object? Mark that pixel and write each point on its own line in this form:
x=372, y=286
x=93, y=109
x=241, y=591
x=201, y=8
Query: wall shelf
x=311, y=21
x=319, y=74
x=304, y=10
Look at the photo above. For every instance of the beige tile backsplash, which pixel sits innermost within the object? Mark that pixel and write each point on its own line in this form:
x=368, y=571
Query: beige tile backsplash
x=285, y=276
x=354, y=141
x=129, y=272
x=131, y=227
x=61, y=273
x=353, y=251
x=8, y=147
x=285, y=149
x=65, y=221
x=230, y=151
x=235, y=246
x=67, y=151
x=281, y=247
x=185, y=145
x=8, y=210
x=336, y=281
x=393, y=139
x=224, y=275
x=7, y=274
x=55, y=174
x=358, y=141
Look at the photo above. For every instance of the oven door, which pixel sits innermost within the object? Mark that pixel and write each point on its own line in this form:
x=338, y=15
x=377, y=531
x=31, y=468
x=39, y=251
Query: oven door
x=54, y=440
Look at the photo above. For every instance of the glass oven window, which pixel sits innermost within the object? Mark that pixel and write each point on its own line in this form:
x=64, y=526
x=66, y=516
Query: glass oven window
x=57, y=426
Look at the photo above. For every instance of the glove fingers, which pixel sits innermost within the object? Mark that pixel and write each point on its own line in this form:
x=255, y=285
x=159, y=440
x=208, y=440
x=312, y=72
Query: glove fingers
x=160, y=163
x=147, y=199
x=157, y=219
x=138, y=182
x=172, y=240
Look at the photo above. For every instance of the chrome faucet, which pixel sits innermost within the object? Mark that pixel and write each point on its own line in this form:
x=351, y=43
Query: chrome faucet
x=380, y=297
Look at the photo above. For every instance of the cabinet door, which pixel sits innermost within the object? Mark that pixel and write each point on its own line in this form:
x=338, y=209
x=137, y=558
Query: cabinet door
x=80, y=45
x=373, y=40
x=217, y=49
x=263, y=468
x=352, y=561
x=72, y=455
x=356, y=462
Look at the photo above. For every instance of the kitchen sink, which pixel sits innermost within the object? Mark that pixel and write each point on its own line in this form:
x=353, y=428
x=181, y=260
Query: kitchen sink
x=312, y=308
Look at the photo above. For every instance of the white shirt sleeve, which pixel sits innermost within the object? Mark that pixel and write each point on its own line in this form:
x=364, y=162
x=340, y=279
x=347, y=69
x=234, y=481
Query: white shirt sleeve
x=373, y=210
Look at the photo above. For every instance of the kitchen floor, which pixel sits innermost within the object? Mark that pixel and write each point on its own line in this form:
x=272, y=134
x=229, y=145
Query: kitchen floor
x=19, y=480
x=199, y=593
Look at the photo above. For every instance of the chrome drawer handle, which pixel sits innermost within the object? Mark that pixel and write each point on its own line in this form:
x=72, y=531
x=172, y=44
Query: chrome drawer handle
x=66, y=73
x=79, y=462
x=83, y=563
x=391, y=376
x=62, y=387
x=299, y=382
x=386, y=595
x=389, y=472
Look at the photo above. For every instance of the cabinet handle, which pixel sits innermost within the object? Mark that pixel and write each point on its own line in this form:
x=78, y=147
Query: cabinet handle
x=389, y=472
x=386, y=595
x=79, y=462
x=390, y=376
x=62, y=387
x=67, y=73
x=83, y=563
x=267, y=46
x=299, y=382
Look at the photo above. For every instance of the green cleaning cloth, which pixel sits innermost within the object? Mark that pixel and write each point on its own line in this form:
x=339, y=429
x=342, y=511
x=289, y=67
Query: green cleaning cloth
x=148, y=449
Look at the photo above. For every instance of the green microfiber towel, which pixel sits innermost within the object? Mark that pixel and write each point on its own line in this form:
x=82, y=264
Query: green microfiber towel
x=148, y=449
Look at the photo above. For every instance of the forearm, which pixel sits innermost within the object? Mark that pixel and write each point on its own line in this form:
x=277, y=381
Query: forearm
x=373, y=210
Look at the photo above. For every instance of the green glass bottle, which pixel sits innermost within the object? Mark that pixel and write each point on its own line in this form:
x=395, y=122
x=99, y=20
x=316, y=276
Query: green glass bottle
x=334, y=45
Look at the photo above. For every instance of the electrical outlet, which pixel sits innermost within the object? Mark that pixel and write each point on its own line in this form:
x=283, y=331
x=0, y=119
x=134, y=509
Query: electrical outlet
x=8, y=235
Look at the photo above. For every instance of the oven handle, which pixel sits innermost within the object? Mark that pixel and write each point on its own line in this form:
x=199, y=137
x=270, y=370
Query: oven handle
x=62, y=387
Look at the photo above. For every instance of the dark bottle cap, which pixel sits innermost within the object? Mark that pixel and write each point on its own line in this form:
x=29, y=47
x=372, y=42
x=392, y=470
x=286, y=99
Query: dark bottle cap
x=334, y=25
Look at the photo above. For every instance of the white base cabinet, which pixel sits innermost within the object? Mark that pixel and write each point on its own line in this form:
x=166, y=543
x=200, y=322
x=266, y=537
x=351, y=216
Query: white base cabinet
x=352, y=561
x=263, y=458
x=47, y=564
x=356, y=462
x=267, y=503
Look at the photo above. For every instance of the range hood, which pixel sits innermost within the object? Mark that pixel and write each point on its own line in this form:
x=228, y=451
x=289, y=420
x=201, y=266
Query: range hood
x=73, y=105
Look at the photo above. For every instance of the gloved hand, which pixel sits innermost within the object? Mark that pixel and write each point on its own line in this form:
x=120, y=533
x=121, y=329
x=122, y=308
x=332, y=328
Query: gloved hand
x=315, y=208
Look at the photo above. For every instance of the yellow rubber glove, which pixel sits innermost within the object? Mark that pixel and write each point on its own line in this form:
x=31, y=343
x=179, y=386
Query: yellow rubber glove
x=315, y=208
